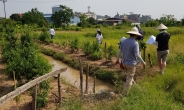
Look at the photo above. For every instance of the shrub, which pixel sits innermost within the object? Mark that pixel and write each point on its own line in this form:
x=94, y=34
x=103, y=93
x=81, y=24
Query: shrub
x=110, y=53
x=97, y=55
x=87, y=48
x=45, y=37
x=74, y=44
x=59, y=56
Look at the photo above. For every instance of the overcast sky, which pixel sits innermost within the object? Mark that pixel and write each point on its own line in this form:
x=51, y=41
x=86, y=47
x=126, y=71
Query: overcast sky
x=155, y=8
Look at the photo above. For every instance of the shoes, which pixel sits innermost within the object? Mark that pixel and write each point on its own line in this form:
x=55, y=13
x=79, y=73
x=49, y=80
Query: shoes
x=161, y=72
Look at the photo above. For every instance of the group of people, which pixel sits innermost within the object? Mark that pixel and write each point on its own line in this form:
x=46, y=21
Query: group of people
x=129, y=48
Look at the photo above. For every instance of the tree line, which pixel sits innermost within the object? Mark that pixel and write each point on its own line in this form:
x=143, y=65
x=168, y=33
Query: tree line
x=62, y=19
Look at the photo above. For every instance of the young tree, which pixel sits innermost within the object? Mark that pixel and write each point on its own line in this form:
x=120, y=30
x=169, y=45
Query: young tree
x=34, y=17
x=91, y=20
x=62, y=17
x=83, y=21
x=15, y=17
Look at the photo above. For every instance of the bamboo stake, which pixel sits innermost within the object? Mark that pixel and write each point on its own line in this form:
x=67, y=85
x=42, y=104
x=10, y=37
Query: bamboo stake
x=81, y=77
x=87, y=74
x=59, y=88
x=34, y=88
x=94, y=84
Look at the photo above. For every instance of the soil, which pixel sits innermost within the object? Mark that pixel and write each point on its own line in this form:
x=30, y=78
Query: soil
x=7, y=84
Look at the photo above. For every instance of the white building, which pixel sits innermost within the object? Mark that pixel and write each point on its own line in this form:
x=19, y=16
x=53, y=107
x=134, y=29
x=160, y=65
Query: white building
x=56, y=9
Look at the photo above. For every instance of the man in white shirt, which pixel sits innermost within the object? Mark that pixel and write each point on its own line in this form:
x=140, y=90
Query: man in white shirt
x=52, y=32
x=99, y=36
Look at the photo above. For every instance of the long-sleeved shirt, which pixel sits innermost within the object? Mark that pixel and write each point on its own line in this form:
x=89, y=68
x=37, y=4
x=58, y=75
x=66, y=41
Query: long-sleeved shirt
x=130, y=50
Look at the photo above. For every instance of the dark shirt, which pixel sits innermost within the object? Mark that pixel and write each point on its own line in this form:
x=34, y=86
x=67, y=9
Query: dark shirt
x=163, y=41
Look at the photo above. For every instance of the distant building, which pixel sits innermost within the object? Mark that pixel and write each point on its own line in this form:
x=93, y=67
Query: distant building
x=117, y=15
x=145, y=18
x=75, y=20
x=78, y=14
x=48, y=17
x=56, y=9
x=135, y=17
x=99, y=17
x=106, y=17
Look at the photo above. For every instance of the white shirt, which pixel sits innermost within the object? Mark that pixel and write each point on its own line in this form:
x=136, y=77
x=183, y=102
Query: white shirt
x=51, y=31
x=99, y=37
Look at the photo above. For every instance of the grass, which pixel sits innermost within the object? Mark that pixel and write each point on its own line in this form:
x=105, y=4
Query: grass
x=152, y=93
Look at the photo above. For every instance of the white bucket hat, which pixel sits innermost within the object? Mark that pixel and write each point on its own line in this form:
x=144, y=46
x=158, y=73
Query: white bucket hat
x=98, y=30
x=161, y=26
x=134, y=31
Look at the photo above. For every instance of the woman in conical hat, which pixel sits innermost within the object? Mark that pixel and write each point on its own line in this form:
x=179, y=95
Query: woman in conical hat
x=163, y=47
x=130, y=51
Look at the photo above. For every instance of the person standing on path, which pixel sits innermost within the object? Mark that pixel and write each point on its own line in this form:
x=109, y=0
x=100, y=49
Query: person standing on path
x=163, y=47
x=52, y=33
x=130, y=51
x=140, y=38
x=99, y=37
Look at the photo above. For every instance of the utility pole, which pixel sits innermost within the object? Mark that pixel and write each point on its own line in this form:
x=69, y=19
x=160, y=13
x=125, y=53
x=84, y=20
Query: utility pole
x=4, y=7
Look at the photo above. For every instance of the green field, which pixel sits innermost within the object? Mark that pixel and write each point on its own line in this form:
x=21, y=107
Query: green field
x=164, y=92
x=153, y=91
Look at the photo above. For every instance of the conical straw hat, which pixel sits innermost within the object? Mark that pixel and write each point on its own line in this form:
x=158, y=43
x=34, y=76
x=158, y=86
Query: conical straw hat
x=161, y=26
x=134, y=31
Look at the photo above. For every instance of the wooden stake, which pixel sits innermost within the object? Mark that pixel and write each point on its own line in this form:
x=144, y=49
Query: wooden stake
x=87, y=74
x=81, y=77
x=144, y=56
x=149, y=58
x=94, y=84
x=59, y=88
x=105, y=50
x=34, y=88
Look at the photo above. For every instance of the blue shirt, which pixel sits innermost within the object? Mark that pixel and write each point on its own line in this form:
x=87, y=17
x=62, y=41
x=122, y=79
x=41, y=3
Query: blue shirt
x=129, y=48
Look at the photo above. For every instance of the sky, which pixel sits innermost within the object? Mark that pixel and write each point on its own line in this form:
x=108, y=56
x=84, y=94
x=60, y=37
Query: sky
x=155, y=8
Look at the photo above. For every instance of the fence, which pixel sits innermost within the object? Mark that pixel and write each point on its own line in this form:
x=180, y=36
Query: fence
x=32, y=84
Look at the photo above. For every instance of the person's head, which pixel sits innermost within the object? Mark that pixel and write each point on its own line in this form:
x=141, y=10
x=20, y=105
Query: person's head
x=161, y=27
x=137, y=26
x=51, y=27
x=98, y=31
x=134, y=33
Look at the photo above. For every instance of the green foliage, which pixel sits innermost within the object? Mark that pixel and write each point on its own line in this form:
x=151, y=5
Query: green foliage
x=45, y=36
x=91, y=21
x=15, y=17
x=74, y=44
x=59, y=56
x=97, y=55
x=107, y=76
x=34, y=17
x=62, y=17
x=42, y=96
x=83, y=21
x=110, y=52
x=142, y=45
x=87, y=48
x=7, y=23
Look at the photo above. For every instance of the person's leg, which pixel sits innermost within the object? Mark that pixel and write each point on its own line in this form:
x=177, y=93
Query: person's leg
x=164, y=58
x=159, y=60
x=129, y=79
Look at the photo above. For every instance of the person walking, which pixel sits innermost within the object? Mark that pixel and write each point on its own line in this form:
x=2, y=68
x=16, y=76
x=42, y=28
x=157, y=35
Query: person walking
x=52, y=33
x=140, y=38
x=99, y=37
x=163, y=47
x=130, y=51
